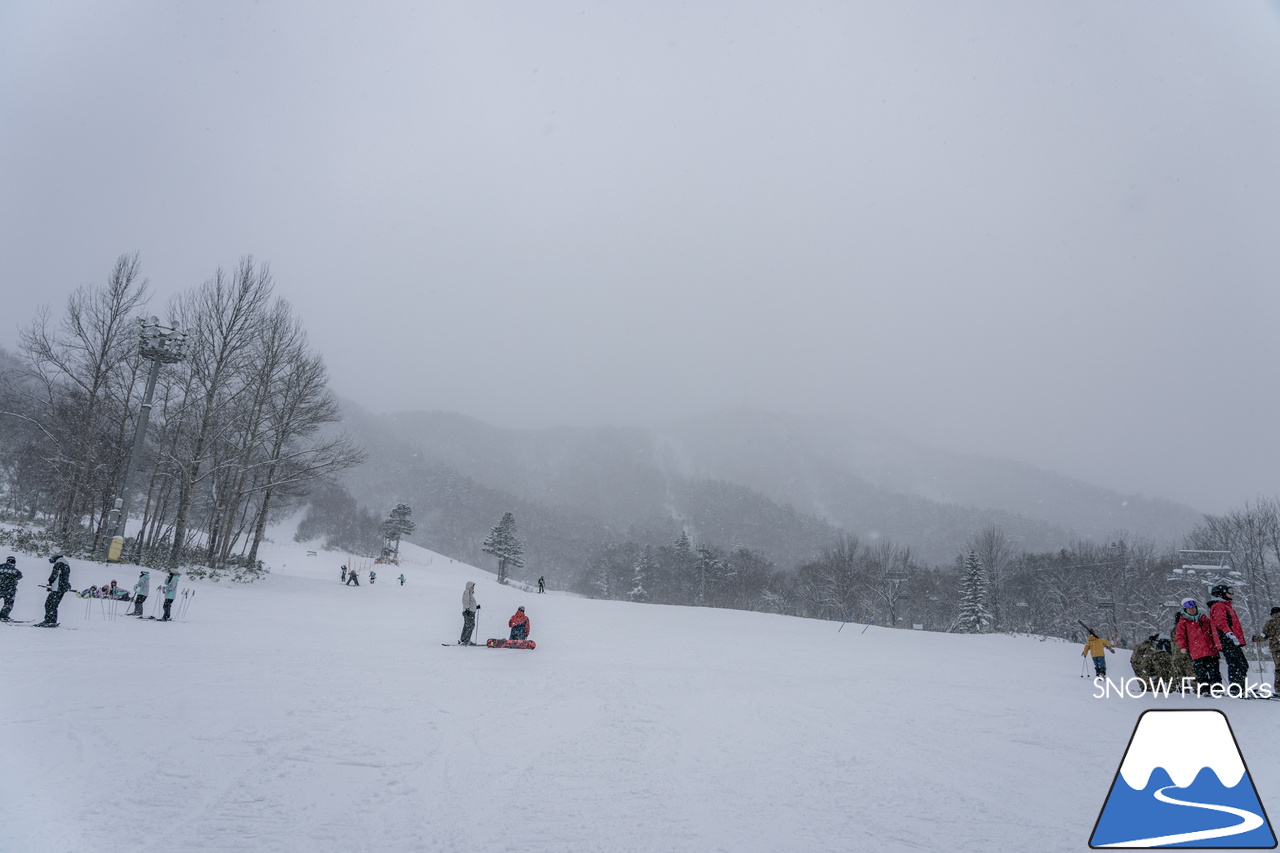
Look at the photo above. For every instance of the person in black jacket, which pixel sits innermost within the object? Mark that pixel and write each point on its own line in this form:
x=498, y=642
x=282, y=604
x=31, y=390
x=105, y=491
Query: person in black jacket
x=9, y=577
x=59, y=585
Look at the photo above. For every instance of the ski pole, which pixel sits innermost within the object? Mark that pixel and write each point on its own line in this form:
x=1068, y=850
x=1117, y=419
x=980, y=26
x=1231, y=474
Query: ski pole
x=1084, y=667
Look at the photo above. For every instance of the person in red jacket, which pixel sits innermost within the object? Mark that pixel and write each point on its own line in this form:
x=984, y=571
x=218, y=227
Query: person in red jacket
x=1230, y=633
x=519, y=625
x=1194, y=634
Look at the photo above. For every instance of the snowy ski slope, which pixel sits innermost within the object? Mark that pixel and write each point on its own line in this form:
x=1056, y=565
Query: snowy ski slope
x=297, y=714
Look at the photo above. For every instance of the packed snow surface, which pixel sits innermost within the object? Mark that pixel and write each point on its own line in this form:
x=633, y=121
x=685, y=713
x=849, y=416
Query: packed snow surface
x=298, y=714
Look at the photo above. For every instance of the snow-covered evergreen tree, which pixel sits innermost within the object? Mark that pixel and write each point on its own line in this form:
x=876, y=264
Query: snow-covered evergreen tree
x=683, y=571
x=974, y=616
x=503, y=543
x=396, y=526
x=642, y=569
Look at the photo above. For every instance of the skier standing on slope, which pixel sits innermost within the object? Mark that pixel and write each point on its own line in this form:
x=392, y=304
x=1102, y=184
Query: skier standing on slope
x=469, y=609
x=1095, y=647
x=1231, y=637
x=353, y=578
x=519, y=625
x=1143, y=660
x=1161, y=660
x=58, y=586
x=402, y=579
x=1271, y=633
x=542, y=585
x=1195, y=636
x=344, y=574
x=140, y=590
x=170, y=590
x=9, y=577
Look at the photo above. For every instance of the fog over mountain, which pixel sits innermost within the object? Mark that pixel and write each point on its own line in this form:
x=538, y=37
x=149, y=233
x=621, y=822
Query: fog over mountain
x=786, y=485
x=1038, y=231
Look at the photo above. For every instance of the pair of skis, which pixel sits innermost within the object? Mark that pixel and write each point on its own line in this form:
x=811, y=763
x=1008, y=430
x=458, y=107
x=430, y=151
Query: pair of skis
x=495, y=643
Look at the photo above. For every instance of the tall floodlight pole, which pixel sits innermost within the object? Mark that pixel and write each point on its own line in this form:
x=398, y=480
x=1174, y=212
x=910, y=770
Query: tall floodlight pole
x=160, y=345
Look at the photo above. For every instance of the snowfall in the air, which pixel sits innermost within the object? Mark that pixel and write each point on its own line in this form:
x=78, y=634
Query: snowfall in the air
x=298, y=714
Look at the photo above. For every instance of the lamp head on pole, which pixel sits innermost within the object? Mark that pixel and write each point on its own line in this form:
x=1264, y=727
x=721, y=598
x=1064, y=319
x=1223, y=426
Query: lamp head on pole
x=160, y=343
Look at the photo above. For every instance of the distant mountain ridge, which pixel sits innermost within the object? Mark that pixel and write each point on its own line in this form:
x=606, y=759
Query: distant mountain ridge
x=782, y=484
x=834, y=466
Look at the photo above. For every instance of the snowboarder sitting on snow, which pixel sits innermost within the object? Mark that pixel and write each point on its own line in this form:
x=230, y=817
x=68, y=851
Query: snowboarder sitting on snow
x=1194, y=634
x=9, y=577
x=1270, y=633
x=1231, y=637
x=1094, y=647
x=519, y=625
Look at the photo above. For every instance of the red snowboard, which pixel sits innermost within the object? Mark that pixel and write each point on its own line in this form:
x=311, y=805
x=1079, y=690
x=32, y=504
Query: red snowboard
x=510, y=644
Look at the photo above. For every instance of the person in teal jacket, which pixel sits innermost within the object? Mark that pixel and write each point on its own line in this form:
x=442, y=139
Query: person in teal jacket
x=140, y=590
x=170, y=590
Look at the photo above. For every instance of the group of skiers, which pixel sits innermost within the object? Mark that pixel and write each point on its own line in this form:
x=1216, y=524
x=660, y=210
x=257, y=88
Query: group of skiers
x=518, y=623
x=1200, y=640
x=351, y=577
x=60, y=584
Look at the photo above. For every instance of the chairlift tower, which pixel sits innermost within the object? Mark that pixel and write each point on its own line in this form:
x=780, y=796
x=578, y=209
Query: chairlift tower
x=1108, y=606
x=896, y=579
x=1202, y=572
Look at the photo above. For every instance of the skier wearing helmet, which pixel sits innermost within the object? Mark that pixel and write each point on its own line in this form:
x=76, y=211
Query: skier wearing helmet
x=1230, y=633
x=1194, y=634
x=1271, y=633
x=9, y=577
x=519, y=625
x=170, y=589
x=140, y=590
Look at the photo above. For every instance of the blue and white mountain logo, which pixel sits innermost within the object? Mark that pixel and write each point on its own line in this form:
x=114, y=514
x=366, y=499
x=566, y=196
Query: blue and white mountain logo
x=1183, y=783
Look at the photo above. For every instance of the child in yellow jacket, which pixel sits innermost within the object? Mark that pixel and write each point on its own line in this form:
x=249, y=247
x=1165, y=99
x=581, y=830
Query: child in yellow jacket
x=1094, y=648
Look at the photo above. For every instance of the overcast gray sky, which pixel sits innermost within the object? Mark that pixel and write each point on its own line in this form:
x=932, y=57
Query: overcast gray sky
x=1039, y=230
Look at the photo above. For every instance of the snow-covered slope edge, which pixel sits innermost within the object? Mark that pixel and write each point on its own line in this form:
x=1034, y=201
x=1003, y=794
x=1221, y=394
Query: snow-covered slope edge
x=297, y=714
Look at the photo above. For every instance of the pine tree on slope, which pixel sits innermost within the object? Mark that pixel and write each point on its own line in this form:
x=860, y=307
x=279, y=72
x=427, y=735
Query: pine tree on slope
x=503, y=543
x=974, y=616
x=396, y=526
x=641, y=570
